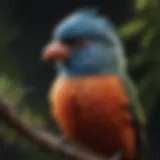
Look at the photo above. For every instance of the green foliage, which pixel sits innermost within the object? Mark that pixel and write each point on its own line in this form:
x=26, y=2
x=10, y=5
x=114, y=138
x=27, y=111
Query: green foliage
x=11, y=92
x=12, y=88
x=131, y=28
x=148, y=37
x=147, y=60
x=146, y=22
x=140, y=5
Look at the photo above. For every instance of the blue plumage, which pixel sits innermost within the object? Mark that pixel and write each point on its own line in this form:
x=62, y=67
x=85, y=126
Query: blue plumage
x=85, y=22
x=104, y=52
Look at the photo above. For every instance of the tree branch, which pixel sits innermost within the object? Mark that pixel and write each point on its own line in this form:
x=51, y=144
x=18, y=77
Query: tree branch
x=41, y=138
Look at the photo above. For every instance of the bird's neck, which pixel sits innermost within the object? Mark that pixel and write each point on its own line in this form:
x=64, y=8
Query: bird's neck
x=79, y=73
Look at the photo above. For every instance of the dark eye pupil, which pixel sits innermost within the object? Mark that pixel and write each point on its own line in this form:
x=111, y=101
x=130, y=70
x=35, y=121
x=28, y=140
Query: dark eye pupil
x=73, y=41
x=70, y=41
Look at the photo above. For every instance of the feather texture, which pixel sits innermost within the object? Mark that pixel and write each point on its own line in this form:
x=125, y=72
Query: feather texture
x=94, y=111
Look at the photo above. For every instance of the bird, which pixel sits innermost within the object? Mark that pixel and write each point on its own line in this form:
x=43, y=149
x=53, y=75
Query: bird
x=93, y=98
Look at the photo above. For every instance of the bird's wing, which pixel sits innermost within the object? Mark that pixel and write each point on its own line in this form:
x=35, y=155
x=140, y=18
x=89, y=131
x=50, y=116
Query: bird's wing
x=139, y=119
x=135, y=106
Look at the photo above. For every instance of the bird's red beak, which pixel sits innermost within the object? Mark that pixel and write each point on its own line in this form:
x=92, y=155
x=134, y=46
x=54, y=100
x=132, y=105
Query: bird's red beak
x=56, y=50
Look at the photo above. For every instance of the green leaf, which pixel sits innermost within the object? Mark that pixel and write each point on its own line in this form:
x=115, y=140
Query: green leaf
x=140, y=5
x=38, y=121
x=141, y=114
x=148, y=37
x=132, y=28
x=27, y=115
x=11, y=91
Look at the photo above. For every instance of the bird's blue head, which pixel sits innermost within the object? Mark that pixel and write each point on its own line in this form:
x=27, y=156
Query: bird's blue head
x=85, y=43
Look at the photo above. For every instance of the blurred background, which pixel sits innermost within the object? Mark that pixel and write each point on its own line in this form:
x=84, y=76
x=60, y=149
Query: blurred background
x=25, y=28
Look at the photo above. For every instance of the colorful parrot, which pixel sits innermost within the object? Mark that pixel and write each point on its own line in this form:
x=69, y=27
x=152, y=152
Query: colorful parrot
x=93, y=99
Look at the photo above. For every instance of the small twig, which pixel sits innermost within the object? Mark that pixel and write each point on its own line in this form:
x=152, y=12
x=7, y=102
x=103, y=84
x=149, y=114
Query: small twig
x=41, y=138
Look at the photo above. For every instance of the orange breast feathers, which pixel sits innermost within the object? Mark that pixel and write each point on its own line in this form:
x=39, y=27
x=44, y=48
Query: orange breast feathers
x=93, y=111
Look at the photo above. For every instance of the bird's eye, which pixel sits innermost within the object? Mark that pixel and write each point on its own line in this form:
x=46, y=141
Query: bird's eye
x=76, y=41
x=70, y=41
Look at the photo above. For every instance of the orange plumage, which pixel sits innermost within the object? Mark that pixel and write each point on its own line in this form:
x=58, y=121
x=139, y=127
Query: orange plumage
x=94, y=111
